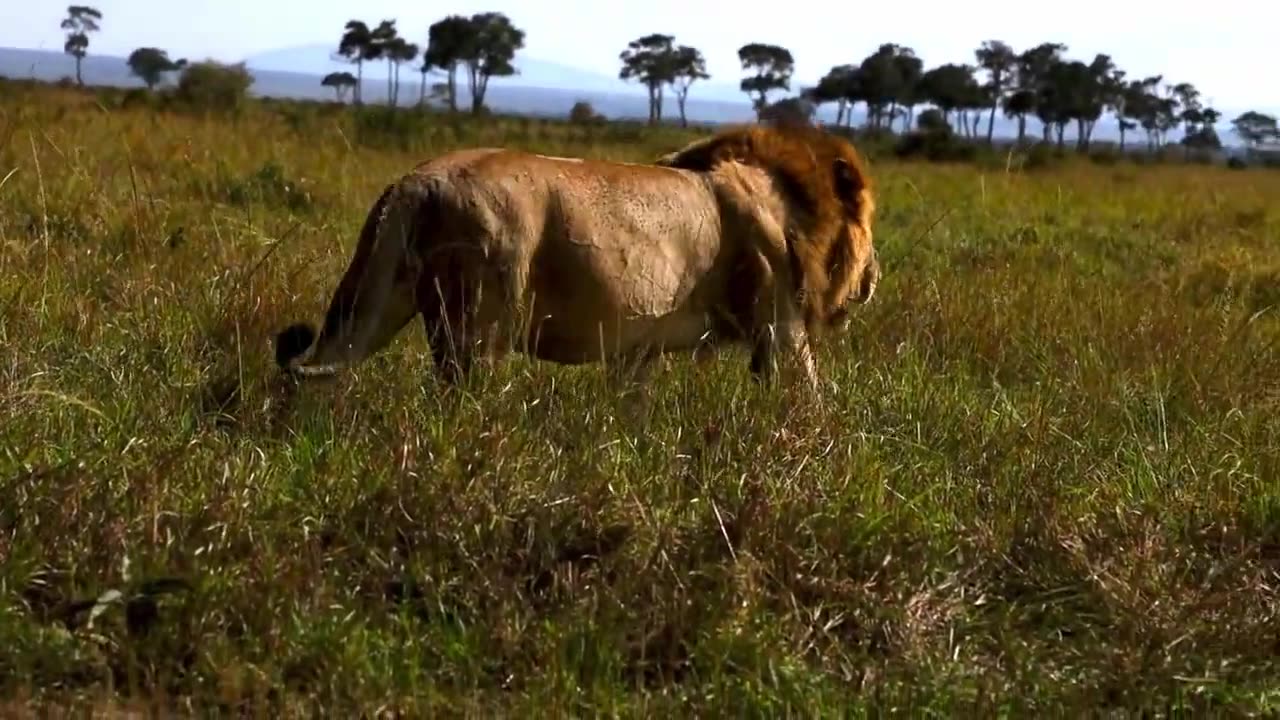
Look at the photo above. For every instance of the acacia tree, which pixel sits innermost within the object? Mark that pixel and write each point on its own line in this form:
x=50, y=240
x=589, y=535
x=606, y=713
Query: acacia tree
x=1157, y=112
x=357, y=46
x=910, y=70
x=341, y=82
x=836, y=86
x=650, y=60
x=999, y=60
x=384, y=44
x=1019, y=104
x=492, y=42
x=79, y=22
x=447, y=46
x=1117, y=101
x=398, y=52
x=689, y=67
x=150, y=64
x=950, y=88
x=1256, y=129
x=1033, y=69
x=773, y=67
x=880, y=84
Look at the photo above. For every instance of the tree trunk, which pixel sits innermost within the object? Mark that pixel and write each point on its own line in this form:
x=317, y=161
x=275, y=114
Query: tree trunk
x=991, y=123
x=79, y=79
x=681, y=97
x=1022, y=128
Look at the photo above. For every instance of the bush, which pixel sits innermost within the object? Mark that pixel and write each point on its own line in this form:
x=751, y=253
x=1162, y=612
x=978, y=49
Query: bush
x=932, y=120
x=583, y=113
x=213, y=86
x=935, y=146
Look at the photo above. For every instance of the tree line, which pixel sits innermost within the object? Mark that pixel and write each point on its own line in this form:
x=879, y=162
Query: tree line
x=890, y=84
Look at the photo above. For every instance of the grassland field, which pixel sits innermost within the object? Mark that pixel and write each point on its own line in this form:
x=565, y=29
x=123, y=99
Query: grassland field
x=1046, y=486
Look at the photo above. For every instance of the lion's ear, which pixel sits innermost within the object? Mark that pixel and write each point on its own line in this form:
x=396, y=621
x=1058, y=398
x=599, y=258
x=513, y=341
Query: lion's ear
x=852, y=189
x=847, y=179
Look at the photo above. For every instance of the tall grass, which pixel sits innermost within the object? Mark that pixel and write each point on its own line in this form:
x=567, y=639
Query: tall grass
x=1046, y=482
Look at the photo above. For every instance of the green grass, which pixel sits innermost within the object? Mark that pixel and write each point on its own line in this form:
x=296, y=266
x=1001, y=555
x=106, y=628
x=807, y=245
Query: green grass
x=1047, y=483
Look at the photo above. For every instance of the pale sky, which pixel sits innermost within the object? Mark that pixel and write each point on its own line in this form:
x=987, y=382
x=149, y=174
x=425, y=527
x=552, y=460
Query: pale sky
x=1225, y=50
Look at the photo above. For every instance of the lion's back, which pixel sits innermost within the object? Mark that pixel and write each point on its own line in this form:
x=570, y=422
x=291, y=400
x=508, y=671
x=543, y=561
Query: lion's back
x=594, y=242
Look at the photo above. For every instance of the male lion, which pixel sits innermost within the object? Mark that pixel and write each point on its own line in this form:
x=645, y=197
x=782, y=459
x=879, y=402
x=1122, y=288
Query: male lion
x=757, y=234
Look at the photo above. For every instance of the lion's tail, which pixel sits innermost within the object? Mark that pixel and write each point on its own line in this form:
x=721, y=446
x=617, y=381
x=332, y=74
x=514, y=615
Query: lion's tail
x=374, y=299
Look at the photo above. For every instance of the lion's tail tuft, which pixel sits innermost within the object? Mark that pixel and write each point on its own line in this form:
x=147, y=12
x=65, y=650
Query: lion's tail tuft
x=292, y=342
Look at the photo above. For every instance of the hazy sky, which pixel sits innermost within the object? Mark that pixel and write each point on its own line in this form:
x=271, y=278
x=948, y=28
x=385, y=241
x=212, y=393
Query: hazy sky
x=1203, y=43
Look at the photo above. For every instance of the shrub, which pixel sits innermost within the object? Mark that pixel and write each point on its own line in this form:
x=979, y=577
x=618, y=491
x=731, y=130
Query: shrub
x=213, y=86
x=583, y=113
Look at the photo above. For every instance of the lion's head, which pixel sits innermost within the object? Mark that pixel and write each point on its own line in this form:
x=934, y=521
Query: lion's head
x=830, y=194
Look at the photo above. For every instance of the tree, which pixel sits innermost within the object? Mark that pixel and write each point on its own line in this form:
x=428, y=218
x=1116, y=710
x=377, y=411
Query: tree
x=1000, y=62
x=690, y=67
x=150, y=64
x=447, y=46
x=1117, y=95
x=880, y=83
x=773, y=65
x=1256, y=129
x=1034, y=66
x=387, y=44
x=357, y=46
x=1205, y=136
x=837, y=87
x=492, y=45
x=1156, y=112
x=1056, y=97
x=341, y=82
x=384, y=44
x=399, y=51
x=949, y=87
x=910, y=70
x=79, y=22
x=1019, y=104
x=1073, y=91
x=651, y=61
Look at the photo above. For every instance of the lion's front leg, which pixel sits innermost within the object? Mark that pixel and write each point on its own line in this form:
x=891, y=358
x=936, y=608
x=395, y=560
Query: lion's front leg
x=789, y=338
x=781, y=328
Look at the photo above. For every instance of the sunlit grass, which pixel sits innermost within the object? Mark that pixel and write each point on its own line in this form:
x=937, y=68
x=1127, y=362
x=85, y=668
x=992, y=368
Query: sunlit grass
x=1047, y=482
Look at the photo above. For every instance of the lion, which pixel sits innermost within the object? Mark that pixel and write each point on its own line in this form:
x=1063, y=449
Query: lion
x=756, y=235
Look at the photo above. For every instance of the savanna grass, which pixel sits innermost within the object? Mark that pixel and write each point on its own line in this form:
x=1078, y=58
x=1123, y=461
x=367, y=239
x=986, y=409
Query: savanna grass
x=1046, y=484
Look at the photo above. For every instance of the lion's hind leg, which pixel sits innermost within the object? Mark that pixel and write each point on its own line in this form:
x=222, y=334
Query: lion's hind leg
x=462, y=312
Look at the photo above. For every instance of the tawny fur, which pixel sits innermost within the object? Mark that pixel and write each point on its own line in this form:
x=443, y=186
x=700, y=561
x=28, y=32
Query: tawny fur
x=543, y=254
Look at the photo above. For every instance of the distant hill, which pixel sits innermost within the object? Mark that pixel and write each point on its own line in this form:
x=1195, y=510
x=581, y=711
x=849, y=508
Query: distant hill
x=272, y=77
x=542, y=88
x=531, y=72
